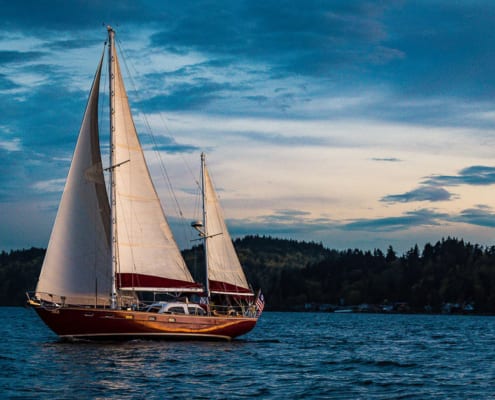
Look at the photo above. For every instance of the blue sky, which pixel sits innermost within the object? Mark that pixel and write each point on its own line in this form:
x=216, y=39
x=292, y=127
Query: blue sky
x=351, y=123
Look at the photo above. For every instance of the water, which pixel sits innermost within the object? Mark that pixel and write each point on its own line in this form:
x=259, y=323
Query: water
x=287, y=356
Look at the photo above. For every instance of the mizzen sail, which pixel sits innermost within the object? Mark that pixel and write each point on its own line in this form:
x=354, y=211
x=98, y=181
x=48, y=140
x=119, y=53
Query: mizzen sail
x=77, y=267
x=225, y=274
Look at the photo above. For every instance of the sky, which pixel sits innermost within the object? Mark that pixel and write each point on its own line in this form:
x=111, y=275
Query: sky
x=356, y=124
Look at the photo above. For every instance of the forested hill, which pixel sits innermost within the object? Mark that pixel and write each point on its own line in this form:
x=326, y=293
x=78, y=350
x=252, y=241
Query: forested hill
x=295, y=274
x=19, y=270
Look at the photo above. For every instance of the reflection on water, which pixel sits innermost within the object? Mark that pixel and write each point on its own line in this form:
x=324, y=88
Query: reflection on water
x=288, y=355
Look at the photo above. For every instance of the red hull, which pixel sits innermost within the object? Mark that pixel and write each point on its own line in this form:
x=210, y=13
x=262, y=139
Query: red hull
x=91, y=323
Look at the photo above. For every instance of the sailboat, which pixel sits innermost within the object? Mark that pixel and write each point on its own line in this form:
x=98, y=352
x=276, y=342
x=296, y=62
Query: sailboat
x=112, y=268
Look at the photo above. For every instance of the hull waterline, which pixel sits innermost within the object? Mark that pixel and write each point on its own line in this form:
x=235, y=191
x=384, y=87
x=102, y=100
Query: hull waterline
x=107, y=324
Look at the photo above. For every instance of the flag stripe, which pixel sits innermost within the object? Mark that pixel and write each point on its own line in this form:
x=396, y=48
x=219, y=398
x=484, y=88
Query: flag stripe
x=260, y=303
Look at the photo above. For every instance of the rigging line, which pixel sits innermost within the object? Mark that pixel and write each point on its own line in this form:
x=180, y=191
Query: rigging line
x=189, y=169
x=150, y=133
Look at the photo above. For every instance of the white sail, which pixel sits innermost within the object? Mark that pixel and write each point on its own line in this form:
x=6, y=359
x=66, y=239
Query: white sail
x=77, y=267
x=148, y=257
x=225, y=274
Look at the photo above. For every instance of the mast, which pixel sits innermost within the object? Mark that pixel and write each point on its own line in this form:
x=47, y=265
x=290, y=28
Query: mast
x=205, y=229
x=113, y=219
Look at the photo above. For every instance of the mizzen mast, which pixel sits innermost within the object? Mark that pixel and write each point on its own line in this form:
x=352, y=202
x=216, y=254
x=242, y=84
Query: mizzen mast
x=113, y=219
x=205, y=216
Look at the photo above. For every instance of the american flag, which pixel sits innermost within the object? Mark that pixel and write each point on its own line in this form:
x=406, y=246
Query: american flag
x=260, y=303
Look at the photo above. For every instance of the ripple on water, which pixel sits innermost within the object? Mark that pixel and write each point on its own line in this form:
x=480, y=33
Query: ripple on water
x=288, y=355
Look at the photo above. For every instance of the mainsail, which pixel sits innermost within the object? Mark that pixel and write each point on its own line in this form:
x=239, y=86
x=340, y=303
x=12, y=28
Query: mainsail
x=147, y=256
x=77, y=264
x=225, y=274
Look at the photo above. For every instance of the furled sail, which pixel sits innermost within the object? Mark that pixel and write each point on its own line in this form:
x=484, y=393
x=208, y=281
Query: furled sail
x=225, y=274
x=148, y=258
x=77, y=267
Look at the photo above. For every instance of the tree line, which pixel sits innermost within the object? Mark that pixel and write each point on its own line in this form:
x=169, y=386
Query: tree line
x=450, y=271
x=293, y=274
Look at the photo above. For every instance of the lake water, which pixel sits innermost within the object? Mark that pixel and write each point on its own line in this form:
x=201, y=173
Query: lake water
x=287, y=356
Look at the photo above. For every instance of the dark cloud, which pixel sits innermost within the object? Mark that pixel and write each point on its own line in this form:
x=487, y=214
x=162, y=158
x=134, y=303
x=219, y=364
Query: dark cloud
x=447, y=57
x=350, y=48
x=422, y=65
x=10, y=167
x=314, y=39
x=387, y=159
x=411, y=219
x=285, y=223
x=16, y=57
x=283, y=215
x=412, y=48
x=21, y=169
x=6, y=83
x=480, y=216
x=289, y=224
x=283, y=140
x=54, y=117
x=169, y=145
x=36, y=16
x=474, y=175
x=187, y=96
x=432, y=190
x=46, y=122
x=423, y=193
x=78, y=43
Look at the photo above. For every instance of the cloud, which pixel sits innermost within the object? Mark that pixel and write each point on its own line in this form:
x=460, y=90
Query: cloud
x=480, y=216
x=432, y=190
x=284, y=140
x=441, y=66
x=18, y=171
x=187, y=96
x=410, y=219
x=386, y=159
x=317, y=39
x=6, y=83
x=51, y=185
x=327, y=81
x=477, y=175
x=11, y=145
x=71, y=44
x=423, y=193
x=169, y=145
x=33, y=15
x=285, y=222
x=15, y=57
